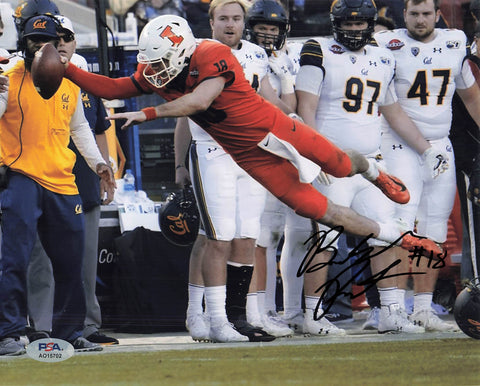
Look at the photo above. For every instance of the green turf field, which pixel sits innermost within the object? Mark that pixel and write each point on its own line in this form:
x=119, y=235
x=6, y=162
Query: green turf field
x=441, y=362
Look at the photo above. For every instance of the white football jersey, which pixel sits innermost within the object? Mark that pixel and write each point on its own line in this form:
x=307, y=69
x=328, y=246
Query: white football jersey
x=427, y=75
x=351, y=86
x=254, y=61
x=290, y=59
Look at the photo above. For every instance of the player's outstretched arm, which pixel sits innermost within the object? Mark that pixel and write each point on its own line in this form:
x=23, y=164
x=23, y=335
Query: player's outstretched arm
x=100, y=85
x=195, y=102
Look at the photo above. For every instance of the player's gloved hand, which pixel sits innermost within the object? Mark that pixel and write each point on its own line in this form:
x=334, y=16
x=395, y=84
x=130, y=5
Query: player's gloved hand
x=324, y=178
x=436, y=161
x=474, y=187
x=279, y=64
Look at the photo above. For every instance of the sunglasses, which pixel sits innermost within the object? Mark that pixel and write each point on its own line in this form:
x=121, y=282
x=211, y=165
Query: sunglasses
x=41, y=38
x=67, y=38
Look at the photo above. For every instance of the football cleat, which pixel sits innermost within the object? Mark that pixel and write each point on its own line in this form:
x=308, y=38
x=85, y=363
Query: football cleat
x=198, y=326
x=255, y=319
x=431, y=322
x=319, y=327
x=224, y=333
x=294, y=322
x=252, y=333
x=411, y=242
x=392, y=187
x=372, y=319
x=274, y=325
x=393, y=319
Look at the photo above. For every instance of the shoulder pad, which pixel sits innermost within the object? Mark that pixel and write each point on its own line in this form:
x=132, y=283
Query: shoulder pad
x=311, y=54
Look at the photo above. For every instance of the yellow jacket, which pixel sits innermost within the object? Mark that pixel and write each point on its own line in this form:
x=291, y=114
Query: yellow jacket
x=35, y=133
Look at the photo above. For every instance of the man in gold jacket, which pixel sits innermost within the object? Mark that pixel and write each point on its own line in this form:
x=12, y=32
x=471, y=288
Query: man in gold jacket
x=40, y=194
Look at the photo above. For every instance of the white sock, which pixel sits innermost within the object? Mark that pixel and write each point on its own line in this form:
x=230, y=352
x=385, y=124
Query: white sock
x=372, y=172
x=422, y=301
x=252, y=303
x=388, y=296
x=215, y=301
x=271, y=283
x=311, y=303
x=293, y=252
x=261, y=302
x=195, y=299
x=401, y=297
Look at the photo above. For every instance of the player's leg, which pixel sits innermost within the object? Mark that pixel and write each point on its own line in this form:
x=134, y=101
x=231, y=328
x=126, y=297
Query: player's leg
x=434, y=212
x=250, y=205
x=384, y=263
x=336, y=162
x=317, y=263
x=197, y=322
x=214, y=186
x=297, y=232
x=258, y=283
x=281, y=178
x=404, y=162
x=261, y=305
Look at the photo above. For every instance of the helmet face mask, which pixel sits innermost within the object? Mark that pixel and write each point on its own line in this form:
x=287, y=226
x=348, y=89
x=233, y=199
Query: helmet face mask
x=270, y=42
x=353, y=10
x=158, y=72
x=271, y=13
x=165, y=47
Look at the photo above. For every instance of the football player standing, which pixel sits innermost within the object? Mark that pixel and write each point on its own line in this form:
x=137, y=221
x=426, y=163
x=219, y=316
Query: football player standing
x=230, y=201
x=430, y=67
x=342, y=85
x=205, y=81
x=267, y=25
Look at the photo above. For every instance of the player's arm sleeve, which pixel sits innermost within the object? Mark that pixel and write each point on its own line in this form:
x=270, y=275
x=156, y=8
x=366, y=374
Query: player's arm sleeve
x=390, y=96
x=311, y=73
x=101, y=85
x=466, y=78
x=82, y=137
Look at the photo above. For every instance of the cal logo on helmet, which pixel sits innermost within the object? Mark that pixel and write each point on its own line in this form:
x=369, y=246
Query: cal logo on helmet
x=179, y=218
x=467, y=309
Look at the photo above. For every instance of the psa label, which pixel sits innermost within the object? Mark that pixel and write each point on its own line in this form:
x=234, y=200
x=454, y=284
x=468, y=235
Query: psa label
x=50, y=350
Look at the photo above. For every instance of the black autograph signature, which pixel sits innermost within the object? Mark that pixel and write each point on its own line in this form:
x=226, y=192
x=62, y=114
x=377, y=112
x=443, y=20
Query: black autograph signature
x=364, y=253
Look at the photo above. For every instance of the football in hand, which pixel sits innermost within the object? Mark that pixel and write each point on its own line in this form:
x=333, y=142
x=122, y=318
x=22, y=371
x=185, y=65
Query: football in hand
x=47, y=71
